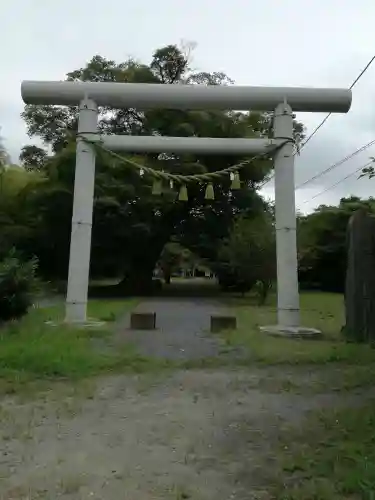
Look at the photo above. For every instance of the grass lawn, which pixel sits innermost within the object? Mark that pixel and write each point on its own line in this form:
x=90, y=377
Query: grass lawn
x=345, y=366
x=319, y=310
x=331, y=454
x=31, y=350
x=330, y=457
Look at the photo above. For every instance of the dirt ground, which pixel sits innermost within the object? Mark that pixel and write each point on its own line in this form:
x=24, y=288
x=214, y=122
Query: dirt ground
x=198, y=434
x=189, y=434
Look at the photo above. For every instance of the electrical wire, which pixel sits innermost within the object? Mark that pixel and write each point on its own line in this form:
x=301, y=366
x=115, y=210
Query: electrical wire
x=315, y=130
x=337, y=164
x=333, y=166
x=362, y=72
x=339, y=181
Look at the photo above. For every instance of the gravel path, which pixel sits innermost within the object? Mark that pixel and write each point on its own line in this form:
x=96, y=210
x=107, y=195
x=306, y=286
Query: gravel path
x=197, y=434
x=187, y=434
x=182, y=329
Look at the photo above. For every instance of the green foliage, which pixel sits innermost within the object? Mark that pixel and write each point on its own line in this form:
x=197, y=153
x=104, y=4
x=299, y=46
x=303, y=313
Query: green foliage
x=17, y=220
x=173, y=258
x=131, y=227
x=32, y=349
x=324, y=311
x=249, y=254
x=322, y=244
x=4, y=157
x=329, y=456
x=33, y=158
x=18, y=285
x=369, y=171
x=13, y=182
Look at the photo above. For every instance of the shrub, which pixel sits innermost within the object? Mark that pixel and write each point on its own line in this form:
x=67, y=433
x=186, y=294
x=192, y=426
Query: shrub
x=18, y=284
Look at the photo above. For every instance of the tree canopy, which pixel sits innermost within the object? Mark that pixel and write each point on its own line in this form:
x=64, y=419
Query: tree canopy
x=249, y=253
x=131, y=226
x=322, y=243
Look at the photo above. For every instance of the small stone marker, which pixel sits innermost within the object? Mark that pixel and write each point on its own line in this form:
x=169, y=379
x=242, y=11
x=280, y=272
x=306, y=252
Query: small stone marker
x=143, y=321
x=221, y=322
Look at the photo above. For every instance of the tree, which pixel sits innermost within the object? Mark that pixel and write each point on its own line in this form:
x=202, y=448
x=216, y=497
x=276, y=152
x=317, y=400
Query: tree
x=18, y=285
x=172, y=259
x=16, y=219
x=249, y=252
x=131, y=227
x=322, y=244
x=370, y=170
x=33, y=158
x=4, y=158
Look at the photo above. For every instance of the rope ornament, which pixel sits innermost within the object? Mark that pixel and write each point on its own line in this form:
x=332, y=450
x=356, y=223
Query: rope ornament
x=159, y=176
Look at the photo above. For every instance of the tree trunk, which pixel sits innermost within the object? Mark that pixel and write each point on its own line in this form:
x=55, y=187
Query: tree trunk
x=137, y=283
x=138, y=274
x=360, y=279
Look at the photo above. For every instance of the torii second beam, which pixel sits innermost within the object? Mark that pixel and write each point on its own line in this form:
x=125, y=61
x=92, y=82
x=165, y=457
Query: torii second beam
x=181, y=145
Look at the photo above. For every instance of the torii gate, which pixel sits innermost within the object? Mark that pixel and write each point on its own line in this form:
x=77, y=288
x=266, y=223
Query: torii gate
x=90, y=95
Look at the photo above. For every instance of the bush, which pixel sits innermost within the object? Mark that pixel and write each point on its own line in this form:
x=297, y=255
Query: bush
x=18, y=284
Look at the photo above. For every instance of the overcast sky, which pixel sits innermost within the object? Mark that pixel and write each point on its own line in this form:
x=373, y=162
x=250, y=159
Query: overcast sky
x=319, y=43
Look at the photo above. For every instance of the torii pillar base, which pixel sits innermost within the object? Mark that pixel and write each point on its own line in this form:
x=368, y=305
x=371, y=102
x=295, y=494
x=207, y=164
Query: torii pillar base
x=299, y=332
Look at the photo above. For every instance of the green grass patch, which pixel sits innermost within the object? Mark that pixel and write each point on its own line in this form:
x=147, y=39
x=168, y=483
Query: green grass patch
x=30, y=349
x=102, y=310
x=318, y=310
x=330, y=457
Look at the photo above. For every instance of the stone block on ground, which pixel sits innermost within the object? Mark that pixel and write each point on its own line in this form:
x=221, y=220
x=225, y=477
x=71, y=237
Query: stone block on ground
x=220, y=322
x=143, y=320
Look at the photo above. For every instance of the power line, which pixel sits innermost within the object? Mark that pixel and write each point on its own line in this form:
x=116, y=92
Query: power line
x=362, y=72
x=331, y=167
x=339, y=181
x=315, y=130
x=337, y=164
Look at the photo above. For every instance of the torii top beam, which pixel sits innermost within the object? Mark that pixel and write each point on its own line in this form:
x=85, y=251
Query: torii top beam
x=147, y=95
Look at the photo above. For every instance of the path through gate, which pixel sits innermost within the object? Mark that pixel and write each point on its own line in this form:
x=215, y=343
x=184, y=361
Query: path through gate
x=283, y=101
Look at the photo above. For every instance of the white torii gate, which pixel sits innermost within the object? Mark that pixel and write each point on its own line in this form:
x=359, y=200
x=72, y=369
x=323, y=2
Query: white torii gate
x=90, y=95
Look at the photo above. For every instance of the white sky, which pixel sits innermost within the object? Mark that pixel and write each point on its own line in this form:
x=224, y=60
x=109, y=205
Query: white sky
x=269, y=42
